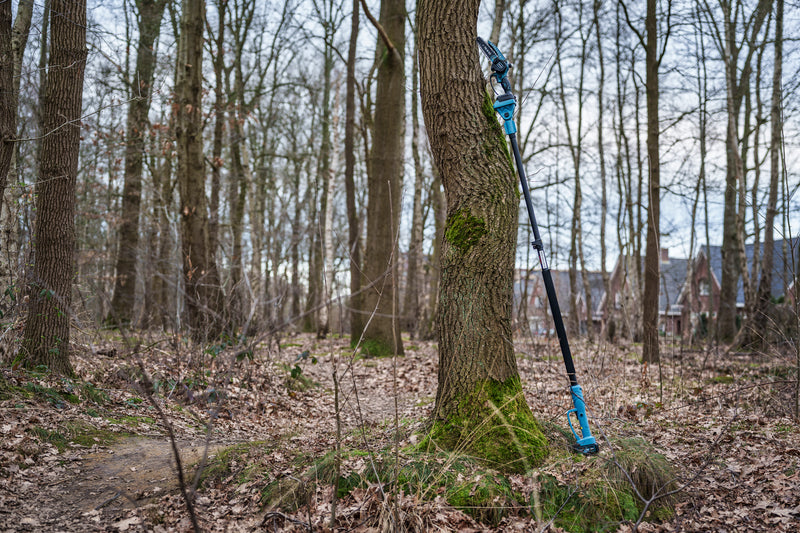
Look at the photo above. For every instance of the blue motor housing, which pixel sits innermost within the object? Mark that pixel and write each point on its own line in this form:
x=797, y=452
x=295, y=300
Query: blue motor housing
x=505, y=105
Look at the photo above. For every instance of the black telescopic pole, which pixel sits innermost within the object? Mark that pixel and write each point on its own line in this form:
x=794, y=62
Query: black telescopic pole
x=547, y=276
x=504, y=105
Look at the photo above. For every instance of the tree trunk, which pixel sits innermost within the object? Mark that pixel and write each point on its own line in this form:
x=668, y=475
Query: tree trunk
x=652, y=260
x=439, y=206
x=353, y=223
x=604, y=313
x=202, y=290
x=122, y=303
x=13, y=41
x=45, y=340
x=219, y=127
x=479, y=402
x=327, y=228
x=732, y=230
x=765, y=283
x=8, y=100
x=411, y=307
x=382, y=335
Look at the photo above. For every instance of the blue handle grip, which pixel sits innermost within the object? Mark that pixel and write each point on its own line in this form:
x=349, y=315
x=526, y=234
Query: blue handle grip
x=585, y=440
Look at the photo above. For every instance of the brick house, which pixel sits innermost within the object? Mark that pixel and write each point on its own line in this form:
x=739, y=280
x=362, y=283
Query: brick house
x=621, y=308
x=700, y=295
x=688, y=299
x=529, y=283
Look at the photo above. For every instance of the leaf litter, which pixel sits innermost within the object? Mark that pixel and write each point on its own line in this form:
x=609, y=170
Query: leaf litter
x=92, y=454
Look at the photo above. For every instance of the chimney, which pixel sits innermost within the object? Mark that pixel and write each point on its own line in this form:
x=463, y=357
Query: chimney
x=665, y=255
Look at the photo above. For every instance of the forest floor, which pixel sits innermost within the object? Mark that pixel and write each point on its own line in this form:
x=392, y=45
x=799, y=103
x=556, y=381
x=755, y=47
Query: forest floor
x=94, y=453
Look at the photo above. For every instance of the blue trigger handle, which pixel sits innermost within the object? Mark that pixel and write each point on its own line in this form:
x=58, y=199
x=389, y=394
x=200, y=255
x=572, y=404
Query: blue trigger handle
x=585, y=440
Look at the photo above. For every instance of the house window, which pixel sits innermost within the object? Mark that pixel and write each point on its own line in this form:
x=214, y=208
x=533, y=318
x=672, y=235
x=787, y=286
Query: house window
x=617, y=300
x=705, y=287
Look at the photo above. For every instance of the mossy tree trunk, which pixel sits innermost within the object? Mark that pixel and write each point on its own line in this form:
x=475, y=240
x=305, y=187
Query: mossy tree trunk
x=480, y=407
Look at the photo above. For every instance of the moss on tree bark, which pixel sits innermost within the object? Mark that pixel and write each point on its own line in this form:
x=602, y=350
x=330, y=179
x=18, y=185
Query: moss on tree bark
x=480, y=407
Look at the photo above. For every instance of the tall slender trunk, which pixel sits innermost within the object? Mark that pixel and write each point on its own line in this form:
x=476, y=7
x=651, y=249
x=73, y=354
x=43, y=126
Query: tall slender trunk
x=652, y=270
x=327, y=229
x=16, y=37
x=439, y=205
x=353, y=223
x=203, y=294
x=776, y=128
x=603, y=177
x=411, y=306
x=45, y=340
x=385, y=177
x=138, y=123
x=218, y=60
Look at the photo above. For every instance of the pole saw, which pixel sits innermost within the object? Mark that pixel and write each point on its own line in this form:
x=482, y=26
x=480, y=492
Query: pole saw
x=504, y=105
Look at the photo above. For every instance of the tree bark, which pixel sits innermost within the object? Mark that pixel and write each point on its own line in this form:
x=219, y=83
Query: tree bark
x=45, y=340
x=220, y=103
x=652, y=260
x=8, y=103
x=353, y=223
x=411, y=304
x=122, y=303
x=479, y=401
x=202, y=290
x=776, y=120
x=13, y=41
x=382, y=335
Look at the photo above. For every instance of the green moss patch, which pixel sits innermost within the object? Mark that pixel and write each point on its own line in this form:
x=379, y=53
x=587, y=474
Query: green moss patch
x=494, y=425
x=598, y=505
x=464, y=230
x=376, y=348
x=80, y=433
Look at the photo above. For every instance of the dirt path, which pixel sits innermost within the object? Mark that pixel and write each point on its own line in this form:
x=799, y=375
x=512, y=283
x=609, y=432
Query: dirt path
x=93, y=491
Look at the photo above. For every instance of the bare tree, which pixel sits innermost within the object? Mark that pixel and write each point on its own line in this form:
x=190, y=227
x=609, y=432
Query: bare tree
x=45, y=340
x=385, y=175
x=353, y=222
x=652, y=261
x=203, y=293
x=737, y=83
x=149, y=14
x=776, y=122
x=13, y=41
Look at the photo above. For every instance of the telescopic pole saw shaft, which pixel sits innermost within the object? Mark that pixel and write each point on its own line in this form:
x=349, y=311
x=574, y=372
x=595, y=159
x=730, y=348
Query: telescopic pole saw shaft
x=547, y=276
x=505, y=104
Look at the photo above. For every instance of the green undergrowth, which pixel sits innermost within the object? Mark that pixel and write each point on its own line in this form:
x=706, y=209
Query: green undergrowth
x=42, y=387
x=295, y=379
x=239, y=464
x=374, y=348
x=576, y=493
x=76, y=432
